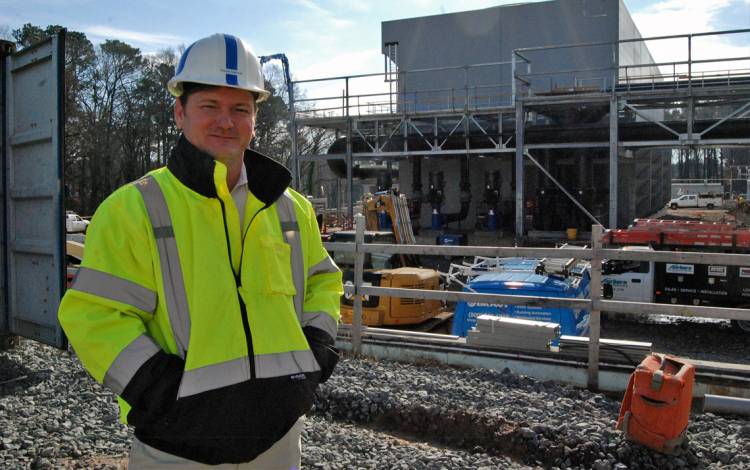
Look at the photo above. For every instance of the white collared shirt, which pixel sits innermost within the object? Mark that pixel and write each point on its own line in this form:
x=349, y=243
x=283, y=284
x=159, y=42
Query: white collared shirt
x=239, y=194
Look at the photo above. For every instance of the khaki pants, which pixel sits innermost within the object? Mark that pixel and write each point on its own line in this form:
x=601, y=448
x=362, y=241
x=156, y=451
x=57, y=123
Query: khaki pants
x=286, y=454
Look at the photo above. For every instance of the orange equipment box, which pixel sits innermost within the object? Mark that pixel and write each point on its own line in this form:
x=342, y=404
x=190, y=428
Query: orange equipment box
x=656, y=407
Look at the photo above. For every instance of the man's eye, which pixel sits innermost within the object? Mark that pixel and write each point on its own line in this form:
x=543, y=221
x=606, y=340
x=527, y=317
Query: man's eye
x=208, y=106
x=243, y=110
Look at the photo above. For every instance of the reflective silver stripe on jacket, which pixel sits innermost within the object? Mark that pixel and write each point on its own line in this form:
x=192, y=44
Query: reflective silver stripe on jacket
x=127, y=363
x=237, y=370
x=322, y=321
x=327, y=266
x=114, y=288
x=171, y=272
x=290, y=229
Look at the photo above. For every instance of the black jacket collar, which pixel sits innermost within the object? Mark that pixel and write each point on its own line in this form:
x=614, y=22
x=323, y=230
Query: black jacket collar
x=266, y=178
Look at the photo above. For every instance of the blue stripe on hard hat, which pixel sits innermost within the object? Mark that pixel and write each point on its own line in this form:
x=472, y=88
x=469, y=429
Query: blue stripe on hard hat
x=231, y=43
x=181, y=65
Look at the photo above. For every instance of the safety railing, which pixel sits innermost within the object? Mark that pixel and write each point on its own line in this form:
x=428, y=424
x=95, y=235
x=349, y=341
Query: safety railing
x=627, y=65
x=595, y=303
x=624, y=65
x=478, y=86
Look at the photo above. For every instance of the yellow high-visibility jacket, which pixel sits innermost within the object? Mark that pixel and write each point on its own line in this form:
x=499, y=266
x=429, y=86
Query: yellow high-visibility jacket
x=213, y=333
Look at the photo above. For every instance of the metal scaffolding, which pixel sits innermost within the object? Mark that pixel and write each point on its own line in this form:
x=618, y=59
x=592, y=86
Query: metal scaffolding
x=684, y=103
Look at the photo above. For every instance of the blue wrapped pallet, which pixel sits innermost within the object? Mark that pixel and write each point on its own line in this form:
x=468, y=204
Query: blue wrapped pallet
x=451, y=239
x=572, y=322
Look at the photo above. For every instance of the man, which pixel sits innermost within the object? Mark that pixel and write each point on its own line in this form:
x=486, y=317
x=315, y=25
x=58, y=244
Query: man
x=205, y=299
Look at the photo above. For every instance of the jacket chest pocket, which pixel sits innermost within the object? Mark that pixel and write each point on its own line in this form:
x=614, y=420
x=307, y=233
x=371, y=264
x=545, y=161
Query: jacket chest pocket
x=271, y=272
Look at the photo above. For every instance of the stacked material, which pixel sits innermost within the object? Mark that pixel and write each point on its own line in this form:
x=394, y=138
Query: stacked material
x=610, y=350
x=512, y=333
x=403, y=220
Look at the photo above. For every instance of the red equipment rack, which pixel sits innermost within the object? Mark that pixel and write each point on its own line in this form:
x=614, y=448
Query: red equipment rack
x=677, y=233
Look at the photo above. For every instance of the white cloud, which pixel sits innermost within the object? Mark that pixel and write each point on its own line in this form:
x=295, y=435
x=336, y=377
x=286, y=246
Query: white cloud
x=674, y=17
x=340, y=23
x=678, y=17
x=310, y=5
x=319, y=17
x=358, y=6
x=151, y=39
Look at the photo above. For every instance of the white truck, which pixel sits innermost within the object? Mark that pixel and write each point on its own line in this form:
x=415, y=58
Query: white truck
x=74, y=223
x=709, y=201
x=678, y=283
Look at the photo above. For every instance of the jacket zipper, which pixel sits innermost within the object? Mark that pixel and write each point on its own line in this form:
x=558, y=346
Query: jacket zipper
x=238, y=284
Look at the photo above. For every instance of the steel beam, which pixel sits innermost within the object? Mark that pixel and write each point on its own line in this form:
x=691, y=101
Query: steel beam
x=359, y=260
x=534, y=101
x=682, y=143
x=451, y=296
x=613, y=162
x=649, y=119
x=349, y=170
x=595, y=289
x=691, y=119
x=567, y=145
x=520, y=124
x=738, y=112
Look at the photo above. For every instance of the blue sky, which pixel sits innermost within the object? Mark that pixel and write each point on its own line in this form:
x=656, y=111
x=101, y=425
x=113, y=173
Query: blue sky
x=328, y=37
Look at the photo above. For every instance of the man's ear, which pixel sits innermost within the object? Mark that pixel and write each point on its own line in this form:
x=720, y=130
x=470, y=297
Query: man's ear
x=179, y=113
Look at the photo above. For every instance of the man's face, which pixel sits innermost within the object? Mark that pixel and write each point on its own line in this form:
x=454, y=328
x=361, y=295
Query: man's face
x=219, y=121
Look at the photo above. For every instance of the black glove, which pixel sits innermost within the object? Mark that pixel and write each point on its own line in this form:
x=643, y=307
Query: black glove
x=153, y=389
x=322, y=346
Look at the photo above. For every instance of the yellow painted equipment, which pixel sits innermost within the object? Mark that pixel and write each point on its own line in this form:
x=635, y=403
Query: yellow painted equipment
x=391, y=311
x=397, y=209
x=394, y=271
x=74, y=252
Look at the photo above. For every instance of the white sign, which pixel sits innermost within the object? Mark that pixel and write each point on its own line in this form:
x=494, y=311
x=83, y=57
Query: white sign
x=717, y=271
x=683, y=269
x=744, y=272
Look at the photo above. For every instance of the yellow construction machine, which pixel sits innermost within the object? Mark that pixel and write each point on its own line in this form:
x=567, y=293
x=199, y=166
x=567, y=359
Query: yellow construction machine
x=389, y=210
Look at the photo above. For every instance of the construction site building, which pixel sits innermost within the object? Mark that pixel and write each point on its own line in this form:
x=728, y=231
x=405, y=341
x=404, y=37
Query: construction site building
x=528, y=118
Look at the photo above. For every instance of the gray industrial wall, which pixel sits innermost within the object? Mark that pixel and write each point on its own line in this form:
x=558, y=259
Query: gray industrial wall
x=490, y=35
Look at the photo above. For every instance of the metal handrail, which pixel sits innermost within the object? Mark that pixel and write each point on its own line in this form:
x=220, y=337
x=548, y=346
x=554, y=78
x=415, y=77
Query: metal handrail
x=413, y=71
x=516, y=78
x=616, y=68
x=457, y=99
x=465, y=93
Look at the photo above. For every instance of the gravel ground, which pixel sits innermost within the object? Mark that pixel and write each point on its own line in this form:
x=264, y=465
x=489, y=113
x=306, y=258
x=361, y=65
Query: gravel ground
x=371, y=414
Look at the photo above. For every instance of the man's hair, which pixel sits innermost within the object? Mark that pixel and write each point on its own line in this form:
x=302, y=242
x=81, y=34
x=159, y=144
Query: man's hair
x=188, y=88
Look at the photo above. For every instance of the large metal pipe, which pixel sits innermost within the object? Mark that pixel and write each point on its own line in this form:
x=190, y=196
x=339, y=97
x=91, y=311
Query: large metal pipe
x=465, y=194
x=726, y=405
x=416, y=193
x=339, y=167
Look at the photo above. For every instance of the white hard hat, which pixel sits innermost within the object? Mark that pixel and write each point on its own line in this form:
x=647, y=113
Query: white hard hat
x=220, y=60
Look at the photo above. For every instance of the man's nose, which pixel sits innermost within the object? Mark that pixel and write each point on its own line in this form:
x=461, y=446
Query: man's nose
x=224, y=120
